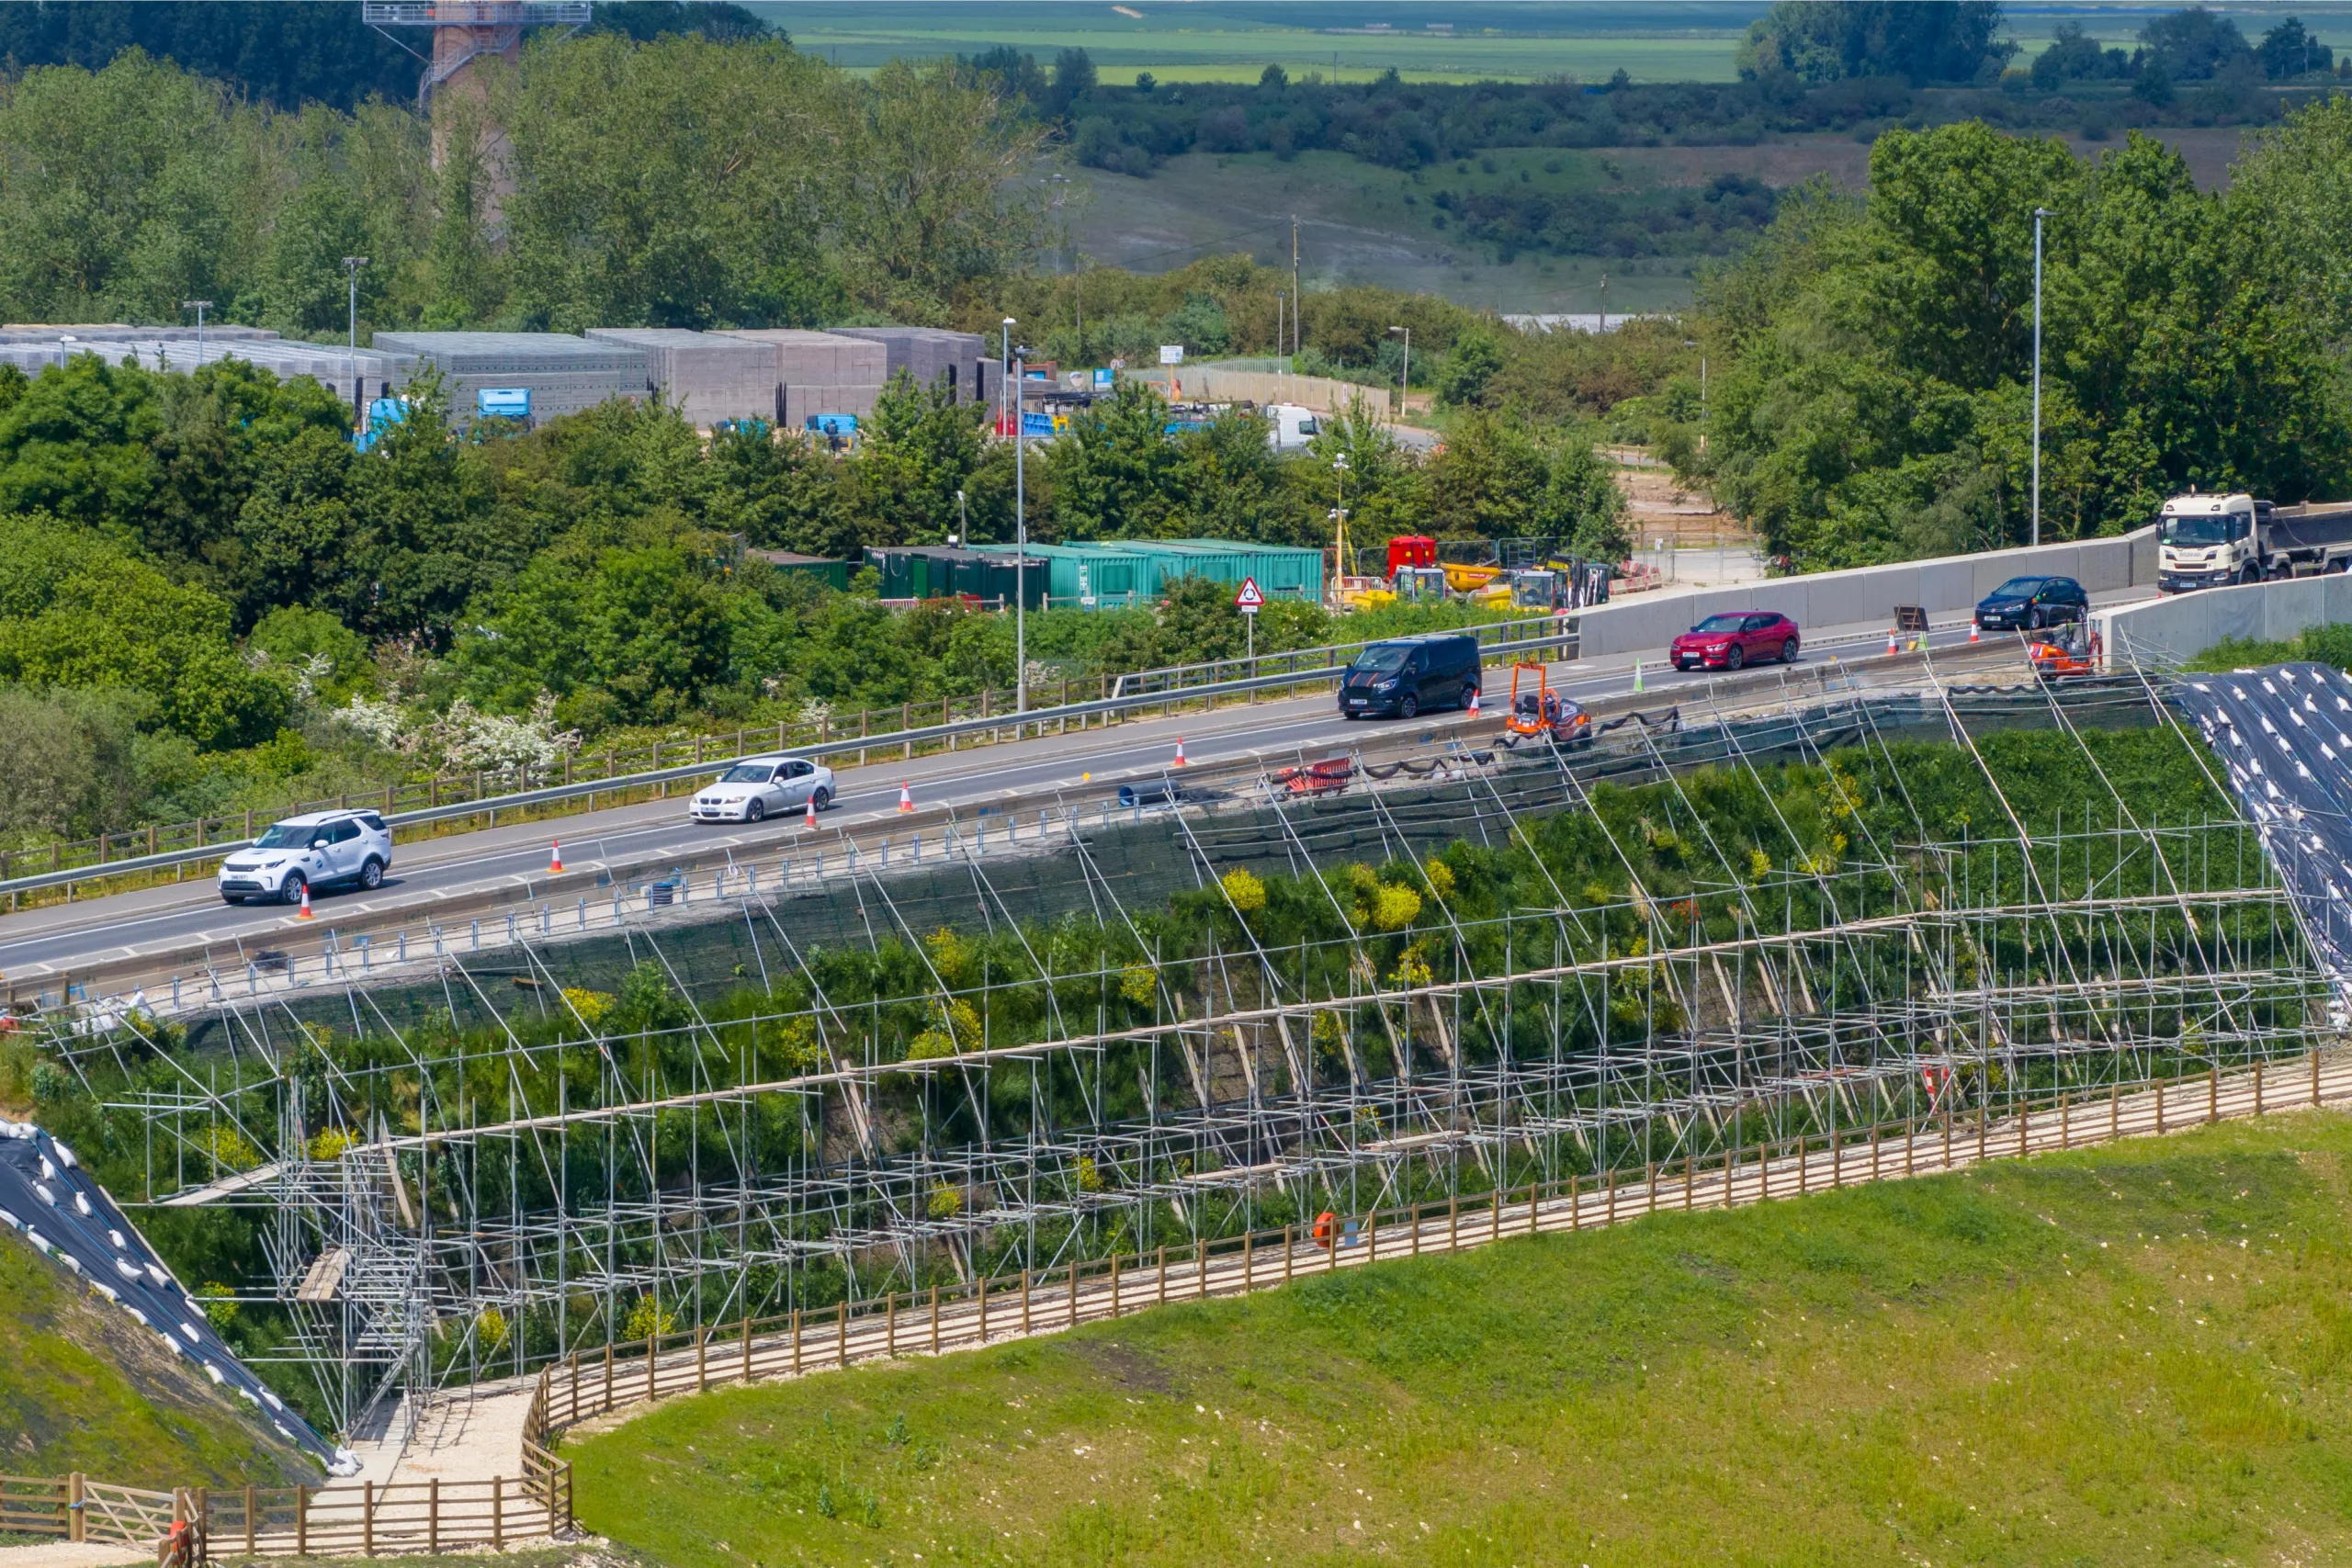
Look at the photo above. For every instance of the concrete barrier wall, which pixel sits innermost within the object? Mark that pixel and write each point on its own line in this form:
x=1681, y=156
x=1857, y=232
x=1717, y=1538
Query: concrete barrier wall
x=1943, y=587
x=2168, y=631
x=1267, y=387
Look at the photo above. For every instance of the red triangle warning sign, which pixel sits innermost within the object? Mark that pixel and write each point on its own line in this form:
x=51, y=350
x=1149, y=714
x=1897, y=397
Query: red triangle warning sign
x=1248, y=598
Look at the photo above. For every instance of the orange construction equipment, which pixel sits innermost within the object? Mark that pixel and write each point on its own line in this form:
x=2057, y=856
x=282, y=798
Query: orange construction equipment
x=1536, y=709
x=2068, y=652
x=555, y=856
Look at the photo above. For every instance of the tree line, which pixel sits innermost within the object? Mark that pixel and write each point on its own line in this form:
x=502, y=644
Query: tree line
x=1871, y=357
x=683, y=182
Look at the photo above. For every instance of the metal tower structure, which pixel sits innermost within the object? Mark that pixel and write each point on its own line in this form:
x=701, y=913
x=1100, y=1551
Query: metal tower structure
x=465, y=31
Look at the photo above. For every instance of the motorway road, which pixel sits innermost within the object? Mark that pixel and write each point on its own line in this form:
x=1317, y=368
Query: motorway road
x=39, y=944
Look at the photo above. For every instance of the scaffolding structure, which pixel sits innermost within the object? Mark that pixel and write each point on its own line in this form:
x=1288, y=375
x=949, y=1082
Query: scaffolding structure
x=443, y=1209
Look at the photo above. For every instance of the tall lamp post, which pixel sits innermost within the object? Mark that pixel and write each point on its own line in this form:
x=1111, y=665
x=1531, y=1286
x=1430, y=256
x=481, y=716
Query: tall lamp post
x=1016, y=358
x=199, y=307
x=351, y=265
x=1339, y=562
x=1404, y=374
x=2039, y=214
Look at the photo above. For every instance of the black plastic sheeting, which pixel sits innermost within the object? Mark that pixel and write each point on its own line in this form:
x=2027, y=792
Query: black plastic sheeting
x=2285, y=735
x=47, y=1196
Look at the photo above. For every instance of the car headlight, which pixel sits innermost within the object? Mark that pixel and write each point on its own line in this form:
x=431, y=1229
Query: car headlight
x=1386, y=685
x=1719, y=648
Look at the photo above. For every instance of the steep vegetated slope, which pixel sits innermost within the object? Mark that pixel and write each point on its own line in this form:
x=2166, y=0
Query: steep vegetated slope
x=2137, y=1354
x=80, y=1389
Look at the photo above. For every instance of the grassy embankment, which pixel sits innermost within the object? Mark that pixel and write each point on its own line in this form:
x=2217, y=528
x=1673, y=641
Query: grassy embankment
x=2135, y=1355
x=83, y=1388
x=2326, y=645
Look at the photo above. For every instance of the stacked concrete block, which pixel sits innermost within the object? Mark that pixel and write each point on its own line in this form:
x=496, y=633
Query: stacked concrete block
x=822, y=372
x=707, y=376
x=563, y=373
x=929, y=355
x=352, y=377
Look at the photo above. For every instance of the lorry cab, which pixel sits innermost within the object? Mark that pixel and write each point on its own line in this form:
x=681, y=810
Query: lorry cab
x=1290, y=426
x=2205, y=541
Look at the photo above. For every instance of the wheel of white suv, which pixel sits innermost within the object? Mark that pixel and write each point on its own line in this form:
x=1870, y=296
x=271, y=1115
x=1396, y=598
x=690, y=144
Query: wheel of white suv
x=291, y=890
x=371, y=875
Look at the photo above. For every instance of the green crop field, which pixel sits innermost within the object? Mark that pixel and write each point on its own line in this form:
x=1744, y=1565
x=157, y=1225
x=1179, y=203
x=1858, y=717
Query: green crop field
x=1685, y=41
x=2133, y=1355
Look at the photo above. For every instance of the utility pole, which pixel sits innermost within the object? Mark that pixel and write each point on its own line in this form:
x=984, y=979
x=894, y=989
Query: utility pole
x=1405, y=375
x=1297, y=299
x=199, y=307
x=2035, y=535
x=1604, y=301
x=351, y=265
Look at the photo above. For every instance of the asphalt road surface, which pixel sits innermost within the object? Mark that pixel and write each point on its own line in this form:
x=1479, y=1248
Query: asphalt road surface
x=175, y=917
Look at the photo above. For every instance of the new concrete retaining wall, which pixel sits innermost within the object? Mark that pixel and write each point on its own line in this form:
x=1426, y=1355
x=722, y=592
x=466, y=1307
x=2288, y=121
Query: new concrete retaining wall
x=1944, y=587
x=2168, y=631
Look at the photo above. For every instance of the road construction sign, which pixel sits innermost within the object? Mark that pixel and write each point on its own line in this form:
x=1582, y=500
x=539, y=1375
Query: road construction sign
x=1248, y=600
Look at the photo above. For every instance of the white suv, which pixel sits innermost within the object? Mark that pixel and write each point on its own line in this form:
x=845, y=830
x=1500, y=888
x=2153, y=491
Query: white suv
x=319, y=849
x=763, y=786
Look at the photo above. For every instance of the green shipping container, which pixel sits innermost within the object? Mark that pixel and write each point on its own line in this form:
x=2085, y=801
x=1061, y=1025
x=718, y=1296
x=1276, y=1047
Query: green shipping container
x=1120, y=571
x=833, y=574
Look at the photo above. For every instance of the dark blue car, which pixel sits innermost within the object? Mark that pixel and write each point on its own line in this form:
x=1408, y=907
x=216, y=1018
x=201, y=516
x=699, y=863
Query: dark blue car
x=2029, y=603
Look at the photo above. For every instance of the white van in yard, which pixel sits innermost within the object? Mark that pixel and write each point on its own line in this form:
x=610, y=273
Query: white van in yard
x=322, y=849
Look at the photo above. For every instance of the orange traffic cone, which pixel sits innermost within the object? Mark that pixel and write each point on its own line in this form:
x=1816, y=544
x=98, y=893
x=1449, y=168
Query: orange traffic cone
x=1474, y=701
x=1972, y=631
x=304, y=912
x=1179, y=751
x=555, y=856
x=906, y=799
x=812, y=818
x=1892, y=647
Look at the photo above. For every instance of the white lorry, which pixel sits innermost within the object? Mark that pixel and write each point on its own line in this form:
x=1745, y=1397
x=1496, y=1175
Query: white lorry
x=1290, y=427
x=2211, y=541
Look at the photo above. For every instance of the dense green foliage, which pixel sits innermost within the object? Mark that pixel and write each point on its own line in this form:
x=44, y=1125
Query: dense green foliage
x=1872, y=359
x=1822, y=40
x=684, y=182
x=287, y=53
x=2004, y=1366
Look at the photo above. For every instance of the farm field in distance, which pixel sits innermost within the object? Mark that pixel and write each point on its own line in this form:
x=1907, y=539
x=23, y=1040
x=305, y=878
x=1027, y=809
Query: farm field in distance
x=1676, y=40
x=1205, y=40
x=2135, y=1354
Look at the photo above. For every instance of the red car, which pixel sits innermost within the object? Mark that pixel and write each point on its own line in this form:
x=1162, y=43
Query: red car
x=1734, y=638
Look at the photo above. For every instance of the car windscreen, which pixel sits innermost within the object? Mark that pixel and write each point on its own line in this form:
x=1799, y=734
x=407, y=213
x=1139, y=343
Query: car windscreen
x=286, y=836
x=1383, y=657
x=1721, y=624
x=2015, y=588
x=749, y=772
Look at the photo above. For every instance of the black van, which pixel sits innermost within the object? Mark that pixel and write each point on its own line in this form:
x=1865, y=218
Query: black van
x=1411, y=675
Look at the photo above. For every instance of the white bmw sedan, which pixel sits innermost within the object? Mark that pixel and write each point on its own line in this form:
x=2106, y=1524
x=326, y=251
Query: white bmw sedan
x=759, y=787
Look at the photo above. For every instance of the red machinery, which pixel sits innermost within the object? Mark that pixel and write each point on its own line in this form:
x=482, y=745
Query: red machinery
x=1539, y=710
x=1410, y=549
x=2067, y=651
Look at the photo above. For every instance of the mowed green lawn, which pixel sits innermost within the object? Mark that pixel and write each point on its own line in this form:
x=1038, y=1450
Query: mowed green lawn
x=2134, y=1356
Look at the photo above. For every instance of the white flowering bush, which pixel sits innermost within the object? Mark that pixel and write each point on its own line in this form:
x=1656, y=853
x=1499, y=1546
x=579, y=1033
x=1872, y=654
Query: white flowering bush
x=467, y=738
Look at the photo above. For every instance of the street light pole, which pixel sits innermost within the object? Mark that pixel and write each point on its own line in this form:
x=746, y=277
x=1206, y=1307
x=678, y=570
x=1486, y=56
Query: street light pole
x=199, y=307
x=2039, y=214
x=351, y=265
x=1405, y=375
x=1020, y=536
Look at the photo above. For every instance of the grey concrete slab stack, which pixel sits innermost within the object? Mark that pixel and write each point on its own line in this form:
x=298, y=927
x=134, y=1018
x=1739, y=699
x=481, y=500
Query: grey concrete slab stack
x=928, y=354
x=822, y=372
x=709, y=377
x=564, y=374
